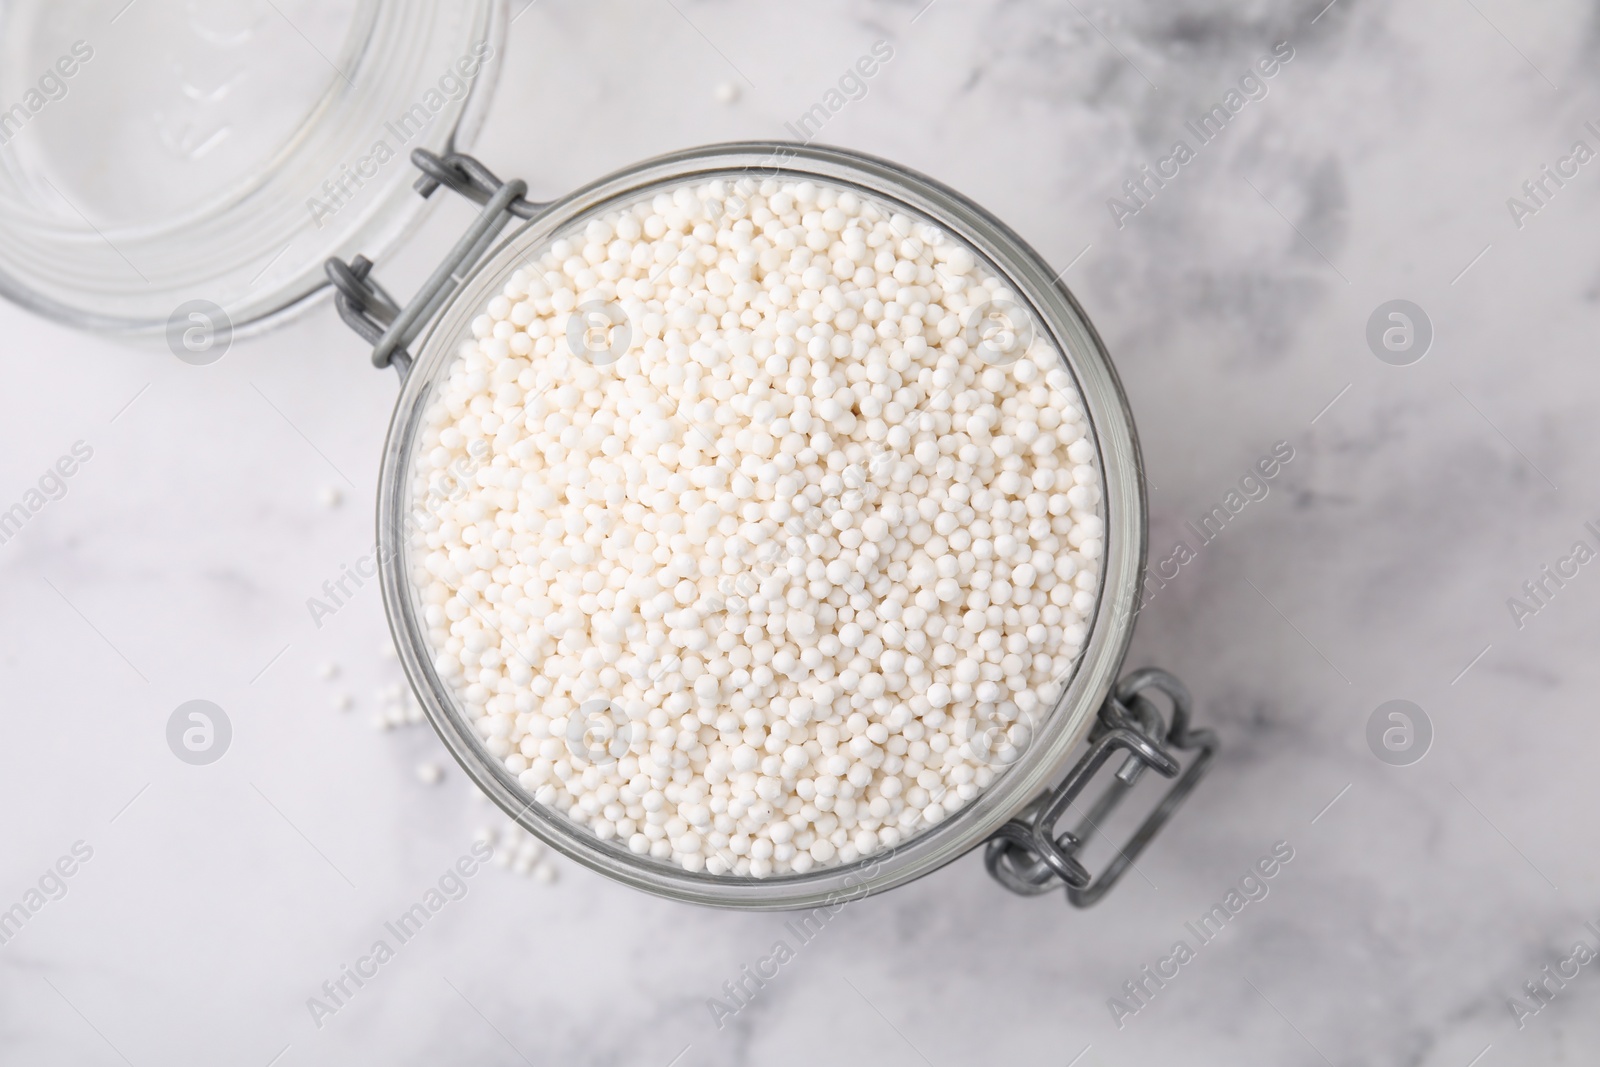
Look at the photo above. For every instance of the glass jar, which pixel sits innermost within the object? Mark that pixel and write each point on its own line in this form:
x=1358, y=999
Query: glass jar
x=173, y=165
x=422, y=339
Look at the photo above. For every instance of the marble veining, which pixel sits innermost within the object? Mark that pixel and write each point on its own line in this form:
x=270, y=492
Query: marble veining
x=1420, y=900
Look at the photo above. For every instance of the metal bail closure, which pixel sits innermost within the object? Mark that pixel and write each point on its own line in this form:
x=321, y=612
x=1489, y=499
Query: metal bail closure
x=371, y=312
x=1028, y=856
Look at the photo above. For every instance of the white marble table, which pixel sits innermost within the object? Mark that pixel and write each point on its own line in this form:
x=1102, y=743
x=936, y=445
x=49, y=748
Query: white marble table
x=1420, y=498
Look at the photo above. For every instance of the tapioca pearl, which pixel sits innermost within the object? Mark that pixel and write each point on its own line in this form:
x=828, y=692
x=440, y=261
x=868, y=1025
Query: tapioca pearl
x=778, y=368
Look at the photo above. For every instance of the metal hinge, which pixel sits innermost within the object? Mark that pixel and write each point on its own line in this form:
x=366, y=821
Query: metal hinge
x=1028, y=856
x=371, y=312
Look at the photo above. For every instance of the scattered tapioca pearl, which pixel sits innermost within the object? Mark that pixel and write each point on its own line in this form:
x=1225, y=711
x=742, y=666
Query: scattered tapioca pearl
x=328, y=670
x=781, y=532
x=331, y=496
x=429, y=773
x=344, y=702
x=516, y=849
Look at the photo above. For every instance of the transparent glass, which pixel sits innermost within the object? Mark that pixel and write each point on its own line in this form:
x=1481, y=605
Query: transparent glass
x=1053, y=311
x=157, y=152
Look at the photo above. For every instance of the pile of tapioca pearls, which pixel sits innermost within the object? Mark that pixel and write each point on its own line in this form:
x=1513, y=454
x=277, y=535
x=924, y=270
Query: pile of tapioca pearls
x=820, y=541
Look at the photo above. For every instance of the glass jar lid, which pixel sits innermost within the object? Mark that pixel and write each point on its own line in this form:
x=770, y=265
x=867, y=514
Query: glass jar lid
x=158, y=154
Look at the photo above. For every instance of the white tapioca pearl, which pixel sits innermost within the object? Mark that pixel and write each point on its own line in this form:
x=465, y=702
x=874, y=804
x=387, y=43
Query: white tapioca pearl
x=797, y=524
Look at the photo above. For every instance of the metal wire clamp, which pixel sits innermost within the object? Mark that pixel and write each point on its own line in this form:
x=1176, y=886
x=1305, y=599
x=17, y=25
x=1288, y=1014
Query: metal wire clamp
x=1030, y=857
x=370, y=311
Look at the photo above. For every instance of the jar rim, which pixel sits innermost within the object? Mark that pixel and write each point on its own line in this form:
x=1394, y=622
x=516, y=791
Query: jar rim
x=1123, y=511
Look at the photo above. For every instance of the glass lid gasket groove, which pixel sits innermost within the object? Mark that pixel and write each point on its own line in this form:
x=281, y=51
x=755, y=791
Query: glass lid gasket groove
x=226, y=248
